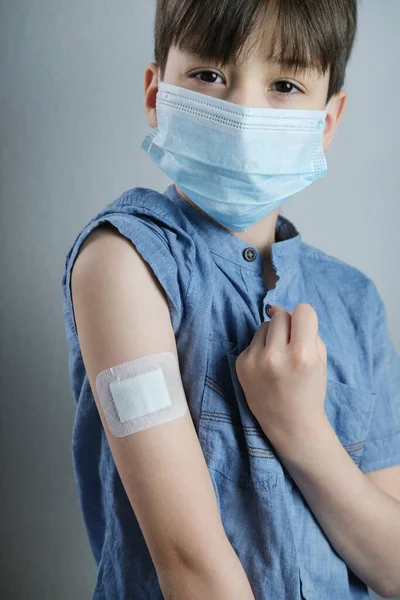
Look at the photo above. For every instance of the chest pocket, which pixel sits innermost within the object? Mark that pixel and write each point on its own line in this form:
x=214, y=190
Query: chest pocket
x=232, y=440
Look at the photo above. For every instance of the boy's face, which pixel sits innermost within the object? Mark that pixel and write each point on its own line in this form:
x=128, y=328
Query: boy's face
x=253, y=83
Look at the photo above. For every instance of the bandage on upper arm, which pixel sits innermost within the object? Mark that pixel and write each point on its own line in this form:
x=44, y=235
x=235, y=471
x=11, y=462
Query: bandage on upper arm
x=141, y=393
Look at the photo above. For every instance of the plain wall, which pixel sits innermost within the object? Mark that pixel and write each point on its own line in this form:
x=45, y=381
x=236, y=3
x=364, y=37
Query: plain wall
x=71, y=123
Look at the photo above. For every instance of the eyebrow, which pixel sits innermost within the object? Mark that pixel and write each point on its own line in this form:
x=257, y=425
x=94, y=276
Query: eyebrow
x=282, y=64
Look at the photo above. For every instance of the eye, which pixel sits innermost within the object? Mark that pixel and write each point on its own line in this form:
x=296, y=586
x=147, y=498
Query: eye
x=286, y=87
x=206, y=77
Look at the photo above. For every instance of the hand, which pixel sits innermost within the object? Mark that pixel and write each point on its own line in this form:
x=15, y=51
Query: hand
x=283, y=372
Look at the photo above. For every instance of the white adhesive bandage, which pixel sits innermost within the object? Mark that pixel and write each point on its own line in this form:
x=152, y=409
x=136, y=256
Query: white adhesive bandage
x=141, y=393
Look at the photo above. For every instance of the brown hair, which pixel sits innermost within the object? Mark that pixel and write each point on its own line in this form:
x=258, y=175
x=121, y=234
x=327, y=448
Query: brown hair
x=308, y=34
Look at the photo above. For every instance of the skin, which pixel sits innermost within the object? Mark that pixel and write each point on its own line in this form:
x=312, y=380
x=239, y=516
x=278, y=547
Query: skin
x=253, y=83
x=283, y=370
x=256, y=83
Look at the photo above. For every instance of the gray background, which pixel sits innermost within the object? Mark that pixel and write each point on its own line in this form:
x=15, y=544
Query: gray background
x=71, y=123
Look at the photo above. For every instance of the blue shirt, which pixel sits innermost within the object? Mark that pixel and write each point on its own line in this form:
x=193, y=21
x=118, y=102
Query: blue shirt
x=217, y=299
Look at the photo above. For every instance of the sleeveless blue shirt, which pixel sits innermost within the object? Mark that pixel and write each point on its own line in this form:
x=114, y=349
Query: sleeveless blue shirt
x=217, y=299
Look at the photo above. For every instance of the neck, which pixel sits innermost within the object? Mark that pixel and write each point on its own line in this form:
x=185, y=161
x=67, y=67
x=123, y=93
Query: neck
x=261, y=235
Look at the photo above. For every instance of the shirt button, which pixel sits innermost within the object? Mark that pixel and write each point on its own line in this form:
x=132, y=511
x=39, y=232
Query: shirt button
x=249, y=254
x=267, y=307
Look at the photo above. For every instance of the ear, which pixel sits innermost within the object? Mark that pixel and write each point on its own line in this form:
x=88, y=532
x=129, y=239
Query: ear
x=333, y=117
x=150, y=93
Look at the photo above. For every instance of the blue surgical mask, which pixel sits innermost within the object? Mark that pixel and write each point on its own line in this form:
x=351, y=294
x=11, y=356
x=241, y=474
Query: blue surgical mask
x=234, y=162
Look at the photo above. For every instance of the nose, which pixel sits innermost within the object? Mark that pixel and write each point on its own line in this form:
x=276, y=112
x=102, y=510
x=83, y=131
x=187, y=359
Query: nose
x=249, y=96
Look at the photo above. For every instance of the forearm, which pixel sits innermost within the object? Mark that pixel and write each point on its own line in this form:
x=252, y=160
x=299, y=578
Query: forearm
x=360, y=520
x=221, y=577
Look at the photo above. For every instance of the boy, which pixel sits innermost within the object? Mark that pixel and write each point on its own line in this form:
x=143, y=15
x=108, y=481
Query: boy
x=281, y=481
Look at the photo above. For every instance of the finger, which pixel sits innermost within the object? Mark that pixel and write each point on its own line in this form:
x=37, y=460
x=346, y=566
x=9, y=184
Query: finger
x=273, y=310
x=276, y=307
x=259, y=337
x=278, y=335
x=304, y=325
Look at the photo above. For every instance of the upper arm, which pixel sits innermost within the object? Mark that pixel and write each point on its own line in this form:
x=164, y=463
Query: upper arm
x=122, y=314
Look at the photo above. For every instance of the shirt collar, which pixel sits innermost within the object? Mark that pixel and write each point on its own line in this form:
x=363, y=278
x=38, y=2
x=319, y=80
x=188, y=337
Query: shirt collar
x=284, y=253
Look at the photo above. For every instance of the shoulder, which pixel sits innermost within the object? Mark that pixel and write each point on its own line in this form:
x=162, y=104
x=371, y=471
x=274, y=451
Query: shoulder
x=152, y=207
x=339, y=279
x=160, y=234
x=147, y=217
x=320, y=262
